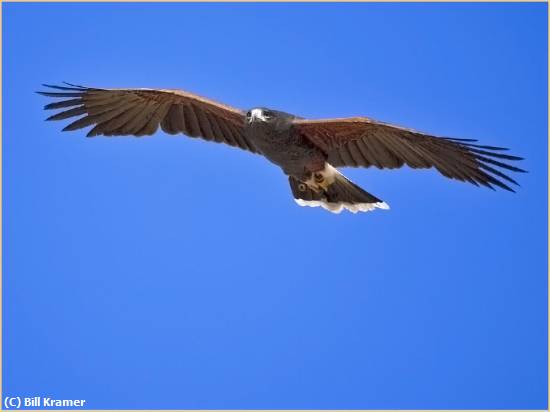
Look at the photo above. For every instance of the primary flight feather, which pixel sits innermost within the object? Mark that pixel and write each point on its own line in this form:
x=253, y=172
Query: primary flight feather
x=308, y=151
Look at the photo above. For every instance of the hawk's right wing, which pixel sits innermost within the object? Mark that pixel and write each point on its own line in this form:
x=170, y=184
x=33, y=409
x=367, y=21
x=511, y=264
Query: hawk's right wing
x=139, y=112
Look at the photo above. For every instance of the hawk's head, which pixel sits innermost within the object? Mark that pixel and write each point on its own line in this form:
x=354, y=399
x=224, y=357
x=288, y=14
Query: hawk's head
x=259, y=114
x=263, y=115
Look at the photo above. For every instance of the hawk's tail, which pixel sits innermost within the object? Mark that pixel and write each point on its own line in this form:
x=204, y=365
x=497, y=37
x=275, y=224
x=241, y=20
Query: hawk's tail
x=331, y=190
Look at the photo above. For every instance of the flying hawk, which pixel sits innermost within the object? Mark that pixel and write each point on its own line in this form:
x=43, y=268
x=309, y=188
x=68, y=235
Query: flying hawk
x=308, y=151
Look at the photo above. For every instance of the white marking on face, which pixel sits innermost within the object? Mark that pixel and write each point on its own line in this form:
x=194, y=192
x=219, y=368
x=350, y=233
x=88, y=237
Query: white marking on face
x=258, y=114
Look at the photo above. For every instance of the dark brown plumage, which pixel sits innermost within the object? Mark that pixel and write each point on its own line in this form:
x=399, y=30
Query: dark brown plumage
x=306, y=150
x=363, y=142
x=139, y=112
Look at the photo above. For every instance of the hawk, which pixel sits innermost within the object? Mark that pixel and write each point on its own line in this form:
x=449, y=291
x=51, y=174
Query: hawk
x=307, y=151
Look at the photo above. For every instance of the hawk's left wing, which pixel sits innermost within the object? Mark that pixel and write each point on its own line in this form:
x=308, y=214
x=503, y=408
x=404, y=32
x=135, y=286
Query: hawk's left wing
x=363, y=142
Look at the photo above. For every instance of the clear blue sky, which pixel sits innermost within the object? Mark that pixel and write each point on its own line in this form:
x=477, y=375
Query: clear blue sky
x=167, y=272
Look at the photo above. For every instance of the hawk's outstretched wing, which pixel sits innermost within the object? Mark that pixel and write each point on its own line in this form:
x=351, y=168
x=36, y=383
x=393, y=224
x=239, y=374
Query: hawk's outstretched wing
x=363, y=142
x=139, y=112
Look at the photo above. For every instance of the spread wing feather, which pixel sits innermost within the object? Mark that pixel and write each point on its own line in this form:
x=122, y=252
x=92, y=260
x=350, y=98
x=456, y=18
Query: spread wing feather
x=140, y=112
x=363, y=142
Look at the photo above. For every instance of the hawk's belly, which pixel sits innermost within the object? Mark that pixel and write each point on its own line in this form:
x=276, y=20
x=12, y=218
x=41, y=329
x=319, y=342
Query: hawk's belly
x=290, y=152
